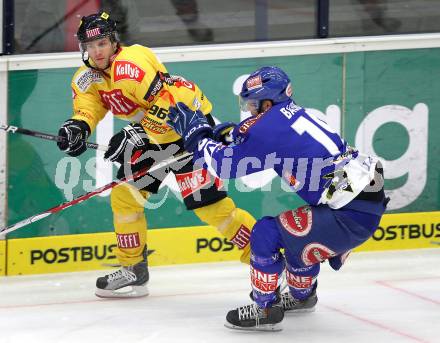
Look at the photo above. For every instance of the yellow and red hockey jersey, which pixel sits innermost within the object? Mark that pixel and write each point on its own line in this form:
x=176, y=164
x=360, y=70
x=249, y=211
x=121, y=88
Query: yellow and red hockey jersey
x=138, y=88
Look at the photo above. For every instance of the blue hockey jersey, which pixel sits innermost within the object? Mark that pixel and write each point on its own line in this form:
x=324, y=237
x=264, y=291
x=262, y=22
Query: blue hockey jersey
x=302, y=149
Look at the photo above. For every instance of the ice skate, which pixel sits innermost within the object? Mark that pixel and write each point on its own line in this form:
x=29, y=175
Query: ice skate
x=253, y=318
x=126, y=282
x=292, y=305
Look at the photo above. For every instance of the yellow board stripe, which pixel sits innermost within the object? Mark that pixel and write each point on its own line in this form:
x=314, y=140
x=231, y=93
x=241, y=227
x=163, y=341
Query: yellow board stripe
x=95, y=251
x=2, y=257
x=405, y=231
x=188, y=245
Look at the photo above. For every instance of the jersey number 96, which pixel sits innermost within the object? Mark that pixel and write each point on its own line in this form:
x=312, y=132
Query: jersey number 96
x=159, y=112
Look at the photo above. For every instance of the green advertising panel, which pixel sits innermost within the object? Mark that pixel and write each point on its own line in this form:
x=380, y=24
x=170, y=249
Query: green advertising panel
x=386, y=103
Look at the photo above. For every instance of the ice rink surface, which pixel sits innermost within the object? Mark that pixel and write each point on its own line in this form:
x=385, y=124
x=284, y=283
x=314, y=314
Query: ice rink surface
x=376, y=297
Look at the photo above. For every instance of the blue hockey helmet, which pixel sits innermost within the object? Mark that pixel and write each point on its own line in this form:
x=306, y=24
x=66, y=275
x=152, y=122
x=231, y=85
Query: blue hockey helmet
x=266, y=83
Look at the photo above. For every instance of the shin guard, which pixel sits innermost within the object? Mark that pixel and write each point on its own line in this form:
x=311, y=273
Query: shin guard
x=130, y=223
x=234, y=223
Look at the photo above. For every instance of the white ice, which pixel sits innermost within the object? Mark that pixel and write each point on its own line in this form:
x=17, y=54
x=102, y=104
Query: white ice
x=376, y=297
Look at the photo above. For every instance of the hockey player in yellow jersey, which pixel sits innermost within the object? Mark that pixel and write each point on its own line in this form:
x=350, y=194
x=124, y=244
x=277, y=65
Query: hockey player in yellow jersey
x=135, y=86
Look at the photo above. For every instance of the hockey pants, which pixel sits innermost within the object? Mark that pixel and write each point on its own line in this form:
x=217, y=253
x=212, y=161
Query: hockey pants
x=309, y=235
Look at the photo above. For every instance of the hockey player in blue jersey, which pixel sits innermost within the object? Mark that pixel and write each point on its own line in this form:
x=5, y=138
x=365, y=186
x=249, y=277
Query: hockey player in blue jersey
x=343, y=190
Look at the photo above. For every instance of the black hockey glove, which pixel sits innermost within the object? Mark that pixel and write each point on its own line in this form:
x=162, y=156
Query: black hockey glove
x=133, y=150
x=75, y=133
x=128, y=144
x=223, y=132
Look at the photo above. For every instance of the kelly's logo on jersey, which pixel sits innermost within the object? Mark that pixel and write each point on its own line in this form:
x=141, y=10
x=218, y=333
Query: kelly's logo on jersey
x=125, y=70
x=192, y=181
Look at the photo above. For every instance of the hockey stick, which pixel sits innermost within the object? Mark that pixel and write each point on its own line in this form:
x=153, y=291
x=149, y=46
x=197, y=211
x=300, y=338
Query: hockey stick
x=77, y=200
x=47, y=136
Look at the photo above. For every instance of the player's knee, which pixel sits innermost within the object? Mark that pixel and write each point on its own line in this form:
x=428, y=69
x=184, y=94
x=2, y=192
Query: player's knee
x=217, y=213
x=298, y=270
x=127, y=218
x=127, y=198
x=265, y=238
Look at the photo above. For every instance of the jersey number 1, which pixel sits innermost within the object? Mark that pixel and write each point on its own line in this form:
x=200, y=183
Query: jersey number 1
x=302, y=125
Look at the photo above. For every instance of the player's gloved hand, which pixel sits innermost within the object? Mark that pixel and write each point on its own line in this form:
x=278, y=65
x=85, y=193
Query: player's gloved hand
x=223, y=132
x=128, y=144
x=128, y=169
x=191, y=125
x=75, y=133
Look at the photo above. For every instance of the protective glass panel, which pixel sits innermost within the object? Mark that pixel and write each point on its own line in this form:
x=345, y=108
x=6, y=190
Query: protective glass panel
x=50, y=25
x=380, y=17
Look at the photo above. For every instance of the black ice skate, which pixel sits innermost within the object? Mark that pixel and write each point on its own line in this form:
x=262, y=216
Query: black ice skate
x=127, y=282
x=253, y=318
x=292, y=305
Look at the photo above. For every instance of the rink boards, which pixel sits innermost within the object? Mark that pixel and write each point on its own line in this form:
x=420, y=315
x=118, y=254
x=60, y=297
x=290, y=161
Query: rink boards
x=184, y=245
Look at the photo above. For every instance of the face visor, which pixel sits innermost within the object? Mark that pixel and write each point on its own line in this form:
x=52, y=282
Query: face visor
x=249, y=105
x=83, y=46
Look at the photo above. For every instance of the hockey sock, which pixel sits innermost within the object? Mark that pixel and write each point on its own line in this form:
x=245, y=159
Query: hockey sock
x=234, y=223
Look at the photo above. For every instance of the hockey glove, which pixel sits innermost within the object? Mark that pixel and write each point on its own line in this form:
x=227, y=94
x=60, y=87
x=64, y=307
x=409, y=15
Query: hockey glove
x=223, y=132
x=191, y=125
x=128, y=144
x=75, y=133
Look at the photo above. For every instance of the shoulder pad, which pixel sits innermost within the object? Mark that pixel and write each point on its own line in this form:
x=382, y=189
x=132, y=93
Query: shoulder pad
x=179, y=81
x=160, y=79
x=242, y=131
x=248, y=123
x=85, y=77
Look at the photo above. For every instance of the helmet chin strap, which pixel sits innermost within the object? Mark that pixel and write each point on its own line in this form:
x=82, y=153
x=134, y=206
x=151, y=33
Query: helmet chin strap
x=85, y=58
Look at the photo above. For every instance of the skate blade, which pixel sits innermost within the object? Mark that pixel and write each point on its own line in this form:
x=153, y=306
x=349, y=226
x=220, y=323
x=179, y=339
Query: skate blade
x=124, y=292
x=266, y=327
x=303, y=310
